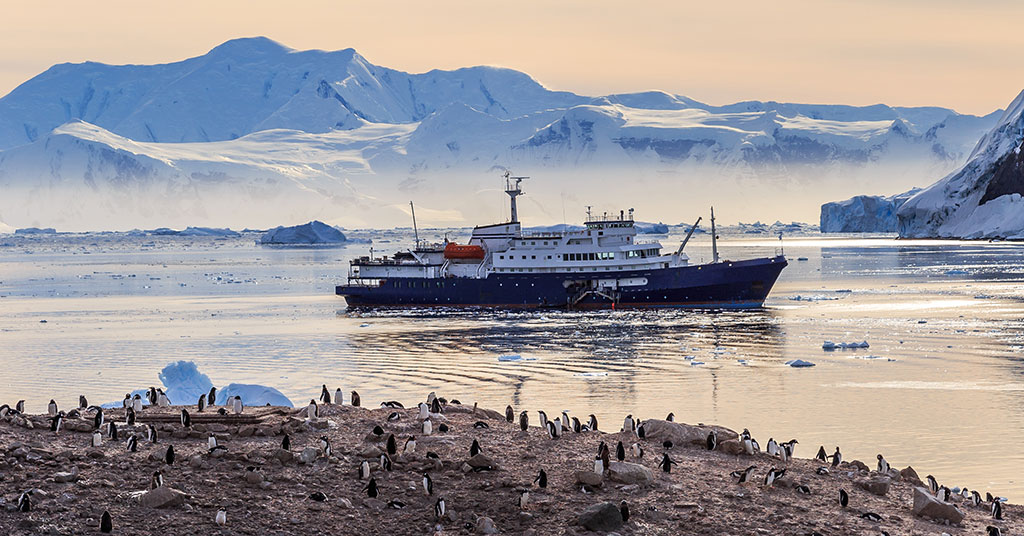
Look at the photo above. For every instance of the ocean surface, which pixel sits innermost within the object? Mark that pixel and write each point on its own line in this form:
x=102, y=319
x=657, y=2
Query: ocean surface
x=940, y=387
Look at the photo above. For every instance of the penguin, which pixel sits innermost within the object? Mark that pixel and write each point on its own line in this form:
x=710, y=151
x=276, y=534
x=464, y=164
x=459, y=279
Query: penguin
x=392, y=445
x=746, y=475
x=993, y=531
x=130, y=417
x=975, y=498
x=433, y=455
x=624, y=511
x=355, y=399
x=943, y=494
x=211, y=441
x=783, y=452
x=431, y=396
x=51, y=409
x=671, y=417
x=320, y=496
x=443, y=428
x=395, y=504
x=871, y=516
x=481, y=425
x=837, y=458
x=666, y=463
x=236, y=405
x=428, y=484
x=435, y=406
x=821, y=456
x=439, y=508
x=371, y=489
x=82, y=402
x=201, y=404
x=127, y=401
x=393, y=404
x=157, y=480
x=932, y=484
x=428, y=427
x=221, y=518
x=97, y=420
x=748, y=444
x=169, y=455
x=592, y=423
x=106, y=524
x=822, y=471
x=803, y=490
x=524, y=420
x=424, y=410
x=883, y=466
x=74, y=414
x=4, y=410
x=641, y=430
x=394, y=416
x=385, y=462
x=364, y=470
x=312, y=410
x=410, y=446
x=186, y=419
x=620, y=452
x=325, y=395
x=565, y=420
x=20, y=406
x=112, y=431
x=474, y=449
x=339, y=399
x=97, y=439
x=637, y=450
x=772, y=476
x=133, y=443
x=377, y=432
x=599, y=464
x=542, y=479
x=997, y=510
x=577, y=426
x=552, y=431
x=151, y=395
x=790, y=447
x=211, y=399
x=543, y=419
x=25, y=502
x=772, y=448
x=988, y=496
x=150, y=433
x=325, y=445
x=524, y=498
x=510, y=415
x=628, y=425
x=56, y=422
x=712, y=441
x=221, y=411
x=844, y=498
x=162, y=399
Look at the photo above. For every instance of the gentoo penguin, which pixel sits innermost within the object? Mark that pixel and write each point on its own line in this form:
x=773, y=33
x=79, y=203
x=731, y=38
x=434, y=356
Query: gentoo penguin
x=443, y=428
x=312, y=410
x=56, y=422
x=481, y=425
x=395, y=504
x=25, y=502
x=424, y=410
x=943, y=494
x=641, y=430
x=524, y=420
x=51, y=409
x=439, y=508
x=524, y=498
x=137, y=404
x=371, y=489
x=666, y=463
x=822, y=471
x=385, y=462
x=73, y=414
x=112, y=431
x=97, y=420
x=932, y=484
x=186, y=419
x=435, y=406
x=82, y=402
x=783, y=451
x=433, y=455
x=551, y=429
x=151, y=395
x=127, y=402
x=339, y=399
x=201, y=404
x=993, y=531
x=671, y=417
x=871, y=516
x=286, y=442
x=428, y=484
x=106, y=524
x=543, y=419
x=542, y=479
x=97, y=439
x=620, y=452
x=638, y=451
x=169, y=455
x=997, y=510
x=236, y=405
x=4, y=410
x=325, y=395
x=565, y=420
x=129, y=415
x=772, y=448
x=883, y=466
x=592, y=423
x=428, y=427
x=748, y=443
x=628, y=425
x=392, y=445
x=803, y=490
x=844, y=498
x=772, y=476
x=975, y=498
x=431, y=396
x=377, y=432
x=150, y=433
x=410, y=446
x=162, y=399
x=837, y=458
x=211, y=399
x=320, y=496
x=746, y=475
x=577, y=426
x=510, y=415
x=474, y=449
x=355, y=399
x=821, y=456
x=790, y=447
x=557, y=426
x=624, y=511
x=325, y=445
x=221, y=518
x=133, y=443
x=364, y=470
x=211, y=441
x=712, y=441
x=599, y=463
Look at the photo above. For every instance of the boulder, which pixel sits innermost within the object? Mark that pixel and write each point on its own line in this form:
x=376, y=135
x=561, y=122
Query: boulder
x=858, y=465
x=589, y=478
x=731, y=446
x=910, y=475
x=309, y=455
x=629, y=473
x=879, y=485
x=284, y=456
x=253, y=478
x=683, y=434
x=603, y=517
x=485, y=525
x=481, y=461
x=162, y=497
x=926, y=505
x=246, y=431
x=64, y=478
x=369, y=451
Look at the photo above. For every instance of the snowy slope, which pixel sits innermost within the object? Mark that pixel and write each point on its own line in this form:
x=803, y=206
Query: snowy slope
x=982, y=199
x=863, y=213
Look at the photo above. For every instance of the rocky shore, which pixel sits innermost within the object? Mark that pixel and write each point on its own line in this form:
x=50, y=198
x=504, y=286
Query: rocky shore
x=262, y=488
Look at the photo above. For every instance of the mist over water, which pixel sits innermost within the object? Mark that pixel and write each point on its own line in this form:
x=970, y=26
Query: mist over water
x=941, y=383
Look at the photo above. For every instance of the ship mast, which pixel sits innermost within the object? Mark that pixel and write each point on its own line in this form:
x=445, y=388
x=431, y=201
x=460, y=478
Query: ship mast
x=714, y=237
x=513, y=192
x=415, y=231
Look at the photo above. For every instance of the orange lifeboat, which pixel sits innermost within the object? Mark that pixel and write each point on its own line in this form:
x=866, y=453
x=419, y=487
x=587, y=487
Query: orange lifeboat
x=455, y=251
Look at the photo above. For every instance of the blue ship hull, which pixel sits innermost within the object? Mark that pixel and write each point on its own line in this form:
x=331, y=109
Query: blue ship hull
x=736, y=284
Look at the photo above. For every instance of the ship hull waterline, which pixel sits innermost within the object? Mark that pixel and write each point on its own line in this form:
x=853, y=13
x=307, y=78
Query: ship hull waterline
x=731, y=284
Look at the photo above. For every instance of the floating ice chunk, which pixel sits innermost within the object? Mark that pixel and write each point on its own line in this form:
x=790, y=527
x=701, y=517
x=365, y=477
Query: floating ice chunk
x=184, y=383
x=696, y=363
x=364, y=325
x=829, y=345
x=844, y=290
x=812, y=298
x=253, y=395
x=590, y=374
x=957, y=271
x=872, y=357
x=799, y=363
x=510, y=357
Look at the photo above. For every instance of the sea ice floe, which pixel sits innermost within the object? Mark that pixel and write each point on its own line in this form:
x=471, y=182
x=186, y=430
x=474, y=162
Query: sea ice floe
x=812, y=298
x=799, y=363
x=829, y=345
x=515, y=357
x=590, y=374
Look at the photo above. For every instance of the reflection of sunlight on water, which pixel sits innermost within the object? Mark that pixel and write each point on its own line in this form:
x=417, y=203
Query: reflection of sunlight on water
x=940, y=386
x=915, y=305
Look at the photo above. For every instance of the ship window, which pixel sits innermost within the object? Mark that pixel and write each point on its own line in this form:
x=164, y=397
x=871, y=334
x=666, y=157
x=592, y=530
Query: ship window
x=524, y=257
x=545, y=243
x=533, y=243
x=600, y=233
x=549, y=256
x=502, y=257
x=533, y=257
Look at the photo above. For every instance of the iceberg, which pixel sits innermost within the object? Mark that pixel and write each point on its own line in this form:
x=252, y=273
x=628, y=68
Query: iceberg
x=209, y=231
x=799, y=363
x=863, y=213
x=183, y=384
x=651, y=228
x=35, y=231
x=253, y=395
x=308, y=234
x=829, y=345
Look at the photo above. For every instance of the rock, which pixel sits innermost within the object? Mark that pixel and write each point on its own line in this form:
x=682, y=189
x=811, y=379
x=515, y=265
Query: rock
x=485, y=525
x=879, y=485
x=369, y=451
x=319, y=424
x=481, y=461
x=601, y=517
x=195, y=462
x=910, y=475
x=309, y=455
x=731, y=446
x=64, y=478
x=216, y=427
x=858, y=465
x=284, y=456
x=246, y=431
x=162, y=497
x=629, y=473
x=589, y=478
x=180, y=433
x=253, y=478
x=344, y=503
x=925, y=505
x=95, y=453
x=683, y=434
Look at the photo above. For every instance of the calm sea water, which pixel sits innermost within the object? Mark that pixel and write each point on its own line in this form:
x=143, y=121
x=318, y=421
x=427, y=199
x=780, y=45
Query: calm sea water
x=941, y=386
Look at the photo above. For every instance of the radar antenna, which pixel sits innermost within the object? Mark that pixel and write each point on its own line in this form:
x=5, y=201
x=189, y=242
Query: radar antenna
x=513, y=191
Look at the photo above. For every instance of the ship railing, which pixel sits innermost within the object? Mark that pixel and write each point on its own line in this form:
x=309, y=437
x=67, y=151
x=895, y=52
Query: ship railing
x=365, y=281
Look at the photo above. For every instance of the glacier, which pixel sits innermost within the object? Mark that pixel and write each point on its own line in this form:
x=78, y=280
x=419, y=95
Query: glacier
x=254, y=131
x=981, y=199
x=863, y=213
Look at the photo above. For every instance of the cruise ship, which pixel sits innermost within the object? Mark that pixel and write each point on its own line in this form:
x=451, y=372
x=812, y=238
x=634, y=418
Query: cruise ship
x=603, y=265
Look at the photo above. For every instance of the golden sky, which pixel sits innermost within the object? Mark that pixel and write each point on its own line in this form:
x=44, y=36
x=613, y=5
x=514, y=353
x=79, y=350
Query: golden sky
x=958, y=54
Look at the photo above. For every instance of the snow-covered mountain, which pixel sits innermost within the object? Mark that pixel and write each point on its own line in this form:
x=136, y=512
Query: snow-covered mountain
x=982, y=199
x=863, y=213
x=253, y=133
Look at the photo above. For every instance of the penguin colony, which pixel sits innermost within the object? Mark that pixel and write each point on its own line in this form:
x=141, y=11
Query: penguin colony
x=400, y=426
